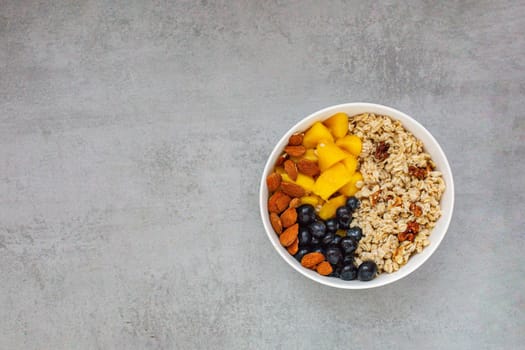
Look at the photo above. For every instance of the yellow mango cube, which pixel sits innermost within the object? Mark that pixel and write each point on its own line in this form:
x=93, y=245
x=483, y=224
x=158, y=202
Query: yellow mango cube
x=350, y=143
x=350, y=188
x=331, y=180
x=338, y=124
x=305, y=181
x=313, y=200
x=316, y=134
x=350, y=163
x=328, y=209
x=310, y=155
x=286, y=178
x=329, y=154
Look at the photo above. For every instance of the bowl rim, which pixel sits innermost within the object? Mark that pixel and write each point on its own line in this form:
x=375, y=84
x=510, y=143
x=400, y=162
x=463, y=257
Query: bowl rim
x=330, y=281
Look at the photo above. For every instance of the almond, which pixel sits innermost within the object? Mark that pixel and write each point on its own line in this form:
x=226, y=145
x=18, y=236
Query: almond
x=324, y=268
x=292, y=189
x=289, y=217
x=276, y=223
x=278, y=202
x=291, y=169
x=311, y=260
x=294, y=247
x=294, y=203
x=295, y=151
x=281, y=159
x=273, y=181
x=295, y=140
x=308, y=167
x=289, y=235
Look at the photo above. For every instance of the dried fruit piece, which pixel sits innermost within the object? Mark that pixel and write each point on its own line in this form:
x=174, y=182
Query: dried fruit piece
x=416, y=210
x=295, y=151
x=276, y=223
x=278, y=202
x=417, y=172
x=374, y=198
x=294, y=203
x=324, y=268
x=397, y=202
x=289, y=235
x=295, y=140
x=289, y=217
x=381, y=152
x=311, y=260
x=308, y=167
x=292, y=189
x=291, y=169
x=294, y=247
x=273, y=181
x=410, y=233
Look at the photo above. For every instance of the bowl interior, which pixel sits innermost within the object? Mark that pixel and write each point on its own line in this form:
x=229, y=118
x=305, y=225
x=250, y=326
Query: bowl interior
x=431, y=147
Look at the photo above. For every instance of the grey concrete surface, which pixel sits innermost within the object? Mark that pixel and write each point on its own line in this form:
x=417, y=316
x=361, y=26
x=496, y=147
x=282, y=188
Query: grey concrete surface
x=133, y=135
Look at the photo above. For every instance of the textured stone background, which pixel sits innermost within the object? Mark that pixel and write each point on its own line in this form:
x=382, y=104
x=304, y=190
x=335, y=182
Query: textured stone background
x=133, y=135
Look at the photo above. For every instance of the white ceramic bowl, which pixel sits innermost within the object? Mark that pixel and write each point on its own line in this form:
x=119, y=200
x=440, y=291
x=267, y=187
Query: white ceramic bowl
x=431, y=146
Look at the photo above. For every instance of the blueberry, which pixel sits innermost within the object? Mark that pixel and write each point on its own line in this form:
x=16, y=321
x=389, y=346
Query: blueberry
x=319, y=249
x=317, y=229
x=328, y=238
x=337, y=240
x=305, y=214
x=331, y=225
x=367, y=271
x=302, y=252
x=343, y=212
x=336, y=271
x=352, y=203
x=306, y=209
x=348, y=259
x=344, y=217
x=305, y=219
x=315, y=241
x=348, y=245
x=354, y=232
x=305, y=237
x=348, y=272
x=334, y=255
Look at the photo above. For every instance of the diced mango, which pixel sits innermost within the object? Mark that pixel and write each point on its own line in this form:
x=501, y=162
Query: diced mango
x=285, y=177
x=329, y=154
x=350, y=163
x=305, y=181
x=351, y=143
x=331, y=180
x=329, y=208
x=350, y=188
x=341, y=233
x=313, y=200
x=316, y=134
x=338, y=124
x=310, y=155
